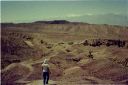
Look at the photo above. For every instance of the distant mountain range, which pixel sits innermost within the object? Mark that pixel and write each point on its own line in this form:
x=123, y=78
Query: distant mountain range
x=46, y=22
x=63, y=26
x=53, y=22
x=111, y=19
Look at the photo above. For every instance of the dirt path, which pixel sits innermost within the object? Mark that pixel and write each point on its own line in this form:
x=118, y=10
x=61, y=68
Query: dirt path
x=40, y=82
x=88, y=80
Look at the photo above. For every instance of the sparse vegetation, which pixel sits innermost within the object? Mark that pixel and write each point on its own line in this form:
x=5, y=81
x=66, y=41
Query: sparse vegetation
x=107, y=61
x=70, y=43
x=68, y=50
x=90, y=55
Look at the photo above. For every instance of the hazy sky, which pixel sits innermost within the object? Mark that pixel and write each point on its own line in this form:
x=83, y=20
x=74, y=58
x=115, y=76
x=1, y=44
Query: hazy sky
x=77, y=10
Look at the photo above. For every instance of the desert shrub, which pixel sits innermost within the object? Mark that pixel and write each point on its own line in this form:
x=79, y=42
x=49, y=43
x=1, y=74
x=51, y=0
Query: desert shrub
x=41, y=41
x=49, y=46
x=85, y=43
x=60, y=43
x=70, y=43
x=29, y=38
x=67, y=50
x=90, y=55
x=107, y=44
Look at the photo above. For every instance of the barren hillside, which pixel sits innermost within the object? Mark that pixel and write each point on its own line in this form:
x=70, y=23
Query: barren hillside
x=78, y=53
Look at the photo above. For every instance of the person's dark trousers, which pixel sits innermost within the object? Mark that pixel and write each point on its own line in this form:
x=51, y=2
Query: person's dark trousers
x=46, y=77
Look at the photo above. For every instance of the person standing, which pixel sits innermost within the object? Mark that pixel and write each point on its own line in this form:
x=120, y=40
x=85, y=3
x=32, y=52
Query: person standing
x=46, y=72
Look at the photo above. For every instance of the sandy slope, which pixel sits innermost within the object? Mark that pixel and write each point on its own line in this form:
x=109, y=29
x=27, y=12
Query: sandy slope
x=68, y=58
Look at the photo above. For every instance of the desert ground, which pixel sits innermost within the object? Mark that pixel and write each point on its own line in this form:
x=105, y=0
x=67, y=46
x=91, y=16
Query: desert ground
x=78, y=53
